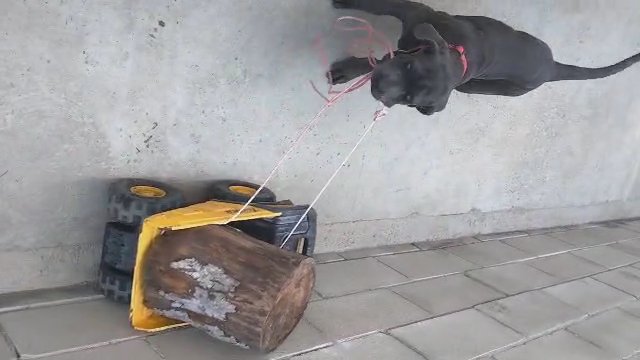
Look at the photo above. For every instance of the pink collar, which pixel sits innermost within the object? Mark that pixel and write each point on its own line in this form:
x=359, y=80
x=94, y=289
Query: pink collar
x=463, y=58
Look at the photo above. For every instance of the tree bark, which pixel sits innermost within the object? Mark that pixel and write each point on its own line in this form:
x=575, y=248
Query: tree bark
x=232, y=286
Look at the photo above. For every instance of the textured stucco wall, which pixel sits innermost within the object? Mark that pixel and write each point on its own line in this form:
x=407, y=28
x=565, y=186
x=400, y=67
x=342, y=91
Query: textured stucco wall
x=93, y=90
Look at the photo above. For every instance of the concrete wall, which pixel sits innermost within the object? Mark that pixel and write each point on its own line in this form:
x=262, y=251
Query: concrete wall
x=94, y=90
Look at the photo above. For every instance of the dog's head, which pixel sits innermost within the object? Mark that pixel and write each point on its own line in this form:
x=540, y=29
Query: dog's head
x=423, y=78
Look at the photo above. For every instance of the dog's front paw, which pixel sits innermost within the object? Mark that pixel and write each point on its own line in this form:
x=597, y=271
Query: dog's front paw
x=426, y=110
x=344, y=4
x=341, y=72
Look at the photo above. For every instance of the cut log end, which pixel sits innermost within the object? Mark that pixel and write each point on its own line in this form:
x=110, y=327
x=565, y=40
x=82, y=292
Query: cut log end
x=235, y=288
x=289, y=306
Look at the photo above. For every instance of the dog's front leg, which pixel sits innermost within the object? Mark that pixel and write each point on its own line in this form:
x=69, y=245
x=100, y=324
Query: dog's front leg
x=404, y=10
x=348, y=69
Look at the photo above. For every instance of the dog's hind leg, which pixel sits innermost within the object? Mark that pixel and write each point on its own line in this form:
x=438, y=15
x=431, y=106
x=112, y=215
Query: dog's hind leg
x=493, y=87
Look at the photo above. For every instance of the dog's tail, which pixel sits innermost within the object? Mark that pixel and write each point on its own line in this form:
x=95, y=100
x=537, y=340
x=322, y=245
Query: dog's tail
x=570, y=72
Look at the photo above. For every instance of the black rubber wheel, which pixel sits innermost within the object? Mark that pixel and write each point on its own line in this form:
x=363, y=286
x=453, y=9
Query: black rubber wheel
x=115, y=285
x=133, y=200
x=120, y=245
x=240, y=191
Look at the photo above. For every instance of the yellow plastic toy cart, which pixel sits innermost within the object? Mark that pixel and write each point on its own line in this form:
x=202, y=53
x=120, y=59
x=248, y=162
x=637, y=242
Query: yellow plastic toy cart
x=208, y=213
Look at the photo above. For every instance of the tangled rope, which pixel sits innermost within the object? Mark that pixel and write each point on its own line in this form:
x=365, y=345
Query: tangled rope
x=368, y=41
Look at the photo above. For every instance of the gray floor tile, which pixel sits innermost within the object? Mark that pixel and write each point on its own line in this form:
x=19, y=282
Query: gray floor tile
x=513, y=278
x=531, y=313
x=376, y=346
x=5, y=352
x=501, y=236
x=588, y=295
x=352, y=315
x=347, y=277
x=192, y=344
x=614, y=331
x=447, y=294
x=378, y=251
x=631, y=247
x=607, y=256
x=441, y=244
x=488, y=253
x=632, y=308
x=39, y=298
x=462, y=335
x=37, y=331
x=539, y=245
x=424, y=264
x=558, y=346
x=625, y=279
x=327, y=257
x=566, y=266
x=136, y=349
x=595, y=236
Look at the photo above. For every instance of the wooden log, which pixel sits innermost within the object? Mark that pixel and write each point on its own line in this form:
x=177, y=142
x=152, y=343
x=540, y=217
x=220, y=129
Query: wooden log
x=234, y=287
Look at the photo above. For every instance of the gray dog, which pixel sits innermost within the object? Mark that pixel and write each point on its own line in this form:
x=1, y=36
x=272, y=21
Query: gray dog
x=439, y=52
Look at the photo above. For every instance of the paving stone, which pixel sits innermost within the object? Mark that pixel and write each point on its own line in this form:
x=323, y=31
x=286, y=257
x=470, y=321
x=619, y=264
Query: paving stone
x=378, y=251
x=588, y=295
x=136, y=349
x=558, y=346
x=625, y=279
x=347, y=277
x=531, y=313
x=488, y=253
x=377, y=346
x=192, y=344
x=5, y=352
x=595, y=236
x=607, y=256
x=632, y=308
x=441, y=244
x=327, y=257
x=501, y=236
x=39, y=298
x=38, y=331
x=424, y=264
x=539, y=245
x=631, y=247
x=513, y=278
x=614, y=331
x=447, y=294
x=357, y=314
x=566, y=266
x=462, y=335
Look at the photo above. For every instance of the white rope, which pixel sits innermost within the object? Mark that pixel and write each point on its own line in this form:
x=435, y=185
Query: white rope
x=378, y=116
x=282, y=159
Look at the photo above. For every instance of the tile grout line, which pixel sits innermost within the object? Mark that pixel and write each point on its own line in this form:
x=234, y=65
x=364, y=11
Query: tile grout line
x=4, y=336
x=393, y=269
x=153, y=348
x=408, y=346
x=46, y=304
x=83, y=347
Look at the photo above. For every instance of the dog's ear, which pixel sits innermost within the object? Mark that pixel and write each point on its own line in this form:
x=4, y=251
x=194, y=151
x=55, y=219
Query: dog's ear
x=427, y=33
